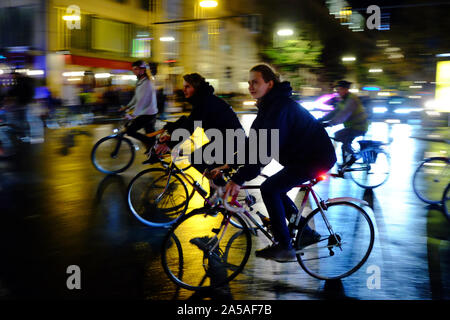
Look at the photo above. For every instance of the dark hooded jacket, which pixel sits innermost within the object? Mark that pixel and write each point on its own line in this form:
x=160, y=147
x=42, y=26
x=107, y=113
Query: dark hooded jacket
x=302, y=139
x=213, y=112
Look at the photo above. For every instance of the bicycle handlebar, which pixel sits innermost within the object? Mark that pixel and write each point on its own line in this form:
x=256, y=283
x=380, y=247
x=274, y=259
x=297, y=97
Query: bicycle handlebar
x=227, y=205
x=155, y=133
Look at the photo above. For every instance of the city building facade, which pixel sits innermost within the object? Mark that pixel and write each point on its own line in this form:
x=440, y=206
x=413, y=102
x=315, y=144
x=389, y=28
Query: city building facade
x=62, y=42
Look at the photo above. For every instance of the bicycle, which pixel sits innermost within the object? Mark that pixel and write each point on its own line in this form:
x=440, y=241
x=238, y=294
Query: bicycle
x=372, y=166
x=210, y=246
x=431, y=177
x=157, y=197
x=115, y=153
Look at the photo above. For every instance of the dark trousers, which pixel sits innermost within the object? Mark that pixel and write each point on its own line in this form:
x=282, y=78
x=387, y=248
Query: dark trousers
x=279, y=206
x=346, y=136
x=148, y=123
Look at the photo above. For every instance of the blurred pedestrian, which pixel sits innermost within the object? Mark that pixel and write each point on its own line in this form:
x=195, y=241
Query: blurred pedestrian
x=22, y=94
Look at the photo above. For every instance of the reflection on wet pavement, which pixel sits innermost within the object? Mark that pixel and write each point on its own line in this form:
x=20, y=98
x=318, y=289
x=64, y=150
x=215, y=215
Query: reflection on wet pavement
x=57, y=211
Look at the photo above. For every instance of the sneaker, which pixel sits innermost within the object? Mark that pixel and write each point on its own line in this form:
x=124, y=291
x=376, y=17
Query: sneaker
x=277, y=253
x=309, y=236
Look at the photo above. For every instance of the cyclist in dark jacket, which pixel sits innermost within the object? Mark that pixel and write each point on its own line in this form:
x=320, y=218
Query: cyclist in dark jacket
x=213, y=112
x=305, y=151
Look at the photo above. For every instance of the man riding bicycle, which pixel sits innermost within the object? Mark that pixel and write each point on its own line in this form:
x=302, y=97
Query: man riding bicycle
x=213, y=113
x=305, y=151
x=144, y=106
x=351, y=113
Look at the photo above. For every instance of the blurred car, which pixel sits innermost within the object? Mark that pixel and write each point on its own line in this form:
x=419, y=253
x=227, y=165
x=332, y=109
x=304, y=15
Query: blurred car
x=395, y=109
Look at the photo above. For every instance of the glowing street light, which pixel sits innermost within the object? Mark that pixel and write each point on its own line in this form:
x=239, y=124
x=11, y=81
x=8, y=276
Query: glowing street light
x=71, y=18
x=346, y=59
x=166, y=39
x=377, y=70
x=102, y=75
x=208, y=4
x=285, y=32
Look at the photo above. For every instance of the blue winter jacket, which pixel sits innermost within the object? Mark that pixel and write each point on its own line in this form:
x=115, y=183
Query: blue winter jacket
x=302, y=139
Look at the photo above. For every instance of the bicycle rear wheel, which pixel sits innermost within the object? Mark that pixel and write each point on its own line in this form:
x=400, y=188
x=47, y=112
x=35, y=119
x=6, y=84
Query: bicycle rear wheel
x=431, y=178
x=200, y=252
x=112, y=154
x=368, y=174
x=157, y=199
x=341, y=253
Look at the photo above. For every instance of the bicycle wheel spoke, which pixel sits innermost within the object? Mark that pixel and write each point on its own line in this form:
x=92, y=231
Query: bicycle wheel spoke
x=113, y=154
x=212, y=254
x=340, y=254
x=156, y=201
x=371, y=174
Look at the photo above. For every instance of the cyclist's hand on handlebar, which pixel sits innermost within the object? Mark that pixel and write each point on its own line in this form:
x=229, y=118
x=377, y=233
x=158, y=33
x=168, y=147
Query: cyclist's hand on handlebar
x=216, y=172
x=161, y=148
x=232, y=189
x=164, y=138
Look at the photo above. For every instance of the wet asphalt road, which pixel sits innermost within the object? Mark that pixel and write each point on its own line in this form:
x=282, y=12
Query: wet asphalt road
x=58, y=211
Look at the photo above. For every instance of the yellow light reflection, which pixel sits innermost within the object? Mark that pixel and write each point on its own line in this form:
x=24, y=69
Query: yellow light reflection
x=208, y=4
x=443, y=86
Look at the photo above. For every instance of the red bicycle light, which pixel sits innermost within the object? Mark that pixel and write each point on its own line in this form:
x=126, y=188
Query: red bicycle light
x=322, y=177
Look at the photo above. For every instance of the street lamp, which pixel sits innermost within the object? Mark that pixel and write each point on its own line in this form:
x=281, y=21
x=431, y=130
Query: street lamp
x=285, y=32
x=166, y=39
x=347, y=59
x=208, y=4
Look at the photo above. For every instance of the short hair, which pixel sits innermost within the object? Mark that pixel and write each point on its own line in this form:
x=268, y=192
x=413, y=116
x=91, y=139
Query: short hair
x=267, y=73
x=139, y=64
x=195, y=80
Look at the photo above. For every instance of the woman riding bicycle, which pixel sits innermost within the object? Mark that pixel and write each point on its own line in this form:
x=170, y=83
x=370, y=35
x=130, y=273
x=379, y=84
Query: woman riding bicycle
x=213, y=113
x=305, y=151
x=144, y=106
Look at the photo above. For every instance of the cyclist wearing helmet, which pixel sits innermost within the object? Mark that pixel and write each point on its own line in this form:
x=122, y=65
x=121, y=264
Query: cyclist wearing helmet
x=351, y=113
x=144, y=106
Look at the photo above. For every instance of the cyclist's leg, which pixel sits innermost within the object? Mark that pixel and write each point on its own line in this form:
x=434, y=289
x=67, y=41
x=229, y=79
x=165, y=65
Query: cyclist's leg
x=273, y=191
x=346, y=136
x=139, y=123
x=149, y=127
x=289, y=206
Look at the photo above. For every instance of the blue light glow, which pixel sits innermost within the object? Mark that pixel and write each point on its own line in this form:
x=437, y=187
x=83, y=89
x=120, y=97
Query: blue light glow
x=371, y=88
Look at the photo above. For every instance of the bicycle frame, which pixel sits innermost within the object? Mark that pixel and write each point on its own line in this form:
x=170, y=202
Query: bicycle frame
x=295, y=219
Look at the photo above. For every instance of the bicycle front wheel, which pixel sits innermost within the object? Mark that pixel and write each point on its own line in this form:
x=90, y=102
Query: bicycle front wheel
x=203, y=251
x=371, y=174
x=113, y=154
x=431, y=178
x=340, y=251
x=156, y=198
